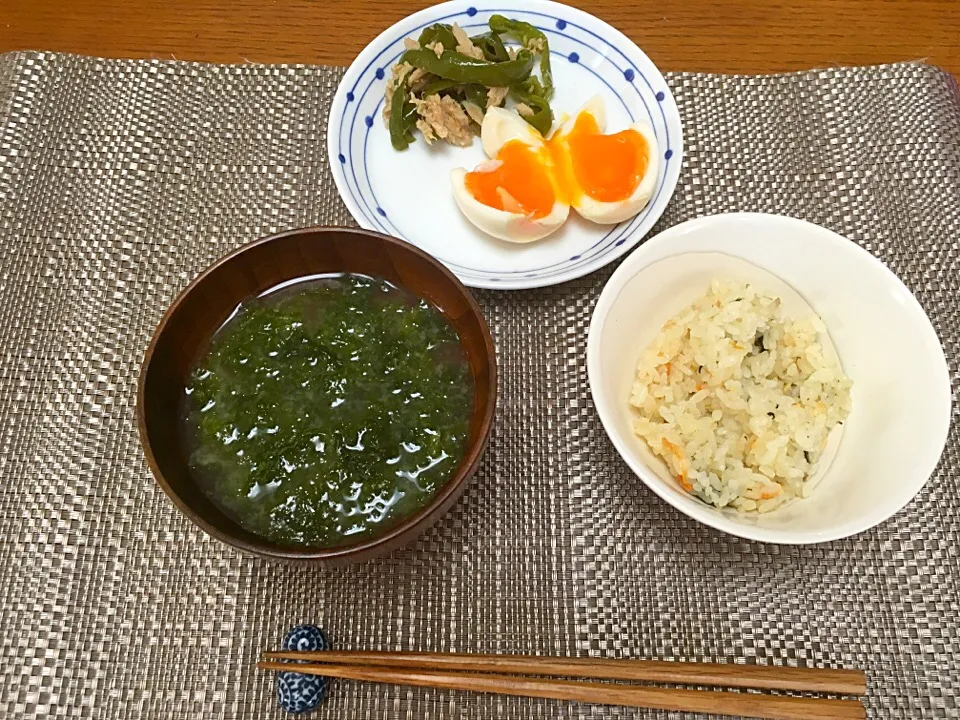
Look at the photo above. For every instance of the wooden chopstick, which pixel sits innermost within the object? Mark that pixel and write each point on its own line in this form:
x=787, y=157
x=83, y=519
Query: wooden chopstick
x=763, y=677
x=765, y=707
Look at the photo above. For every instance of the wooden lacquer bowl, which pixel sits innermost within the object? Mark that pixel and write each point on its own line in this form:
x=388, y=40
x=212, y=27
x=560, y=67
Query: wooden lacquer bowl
x=210, y=299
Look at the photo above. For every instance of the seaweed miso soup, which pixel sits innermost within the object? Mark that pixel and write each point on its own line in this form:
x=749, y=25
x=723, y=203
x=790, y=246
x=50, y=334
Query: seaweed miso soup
x=328, y=409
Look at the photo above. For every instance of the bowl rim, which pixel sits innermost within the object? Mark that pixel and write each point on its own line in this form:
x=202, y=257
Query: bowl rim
x=630, y=267
x=369, y=547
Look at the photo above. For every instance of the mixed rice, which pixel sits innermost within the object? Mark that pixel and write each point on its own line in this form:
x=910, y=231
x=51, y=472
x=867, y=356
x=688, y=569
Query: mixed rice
x=738, y=401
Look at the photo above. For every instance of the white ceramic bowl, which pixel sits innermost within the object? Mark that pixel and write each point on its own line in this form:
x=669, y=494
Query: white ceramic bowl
x=896, y=432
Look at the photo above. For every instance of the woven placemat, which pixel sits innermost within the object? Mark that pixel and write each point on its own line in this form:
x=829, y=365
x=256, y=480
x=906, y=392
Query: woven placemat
x=120, y=180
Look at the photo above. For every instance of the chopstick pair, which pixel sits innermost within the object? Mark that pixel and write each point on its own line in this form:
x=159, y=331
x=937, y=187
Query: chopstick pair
x=503, y=675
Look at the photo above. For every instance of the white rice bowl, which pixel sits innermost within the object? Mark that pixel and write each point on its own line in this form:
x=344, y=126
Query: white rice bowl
x=899, y=402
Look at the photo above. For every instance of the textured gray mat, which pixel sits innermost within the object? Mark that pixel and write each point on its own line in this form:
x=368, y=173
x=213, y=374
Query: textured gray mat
x=121, y=180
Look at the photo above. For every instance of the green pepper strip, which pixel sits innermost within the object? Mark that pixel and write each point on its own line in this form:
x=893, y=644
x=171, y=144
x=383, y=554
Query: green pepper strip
x=525, y=33
x=542, y=118
x=438, y=32
x=477, y=94
x=492, y=46
x=438, y=86
x=457, y=66
x=403, y=118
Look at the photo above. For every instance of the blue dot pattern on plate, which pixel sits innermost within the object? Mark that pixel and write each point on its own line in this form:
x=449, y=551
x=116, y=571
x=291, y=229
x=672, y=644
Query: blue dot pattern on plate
x=660, y=96
x=379, y=73
x=369, y=120
x=471, y=11
x=561, y=24
x=573, y=57
x=296, y=692
x=628, y=75
x=341, y=158
x=668, y=154
x=349, y=97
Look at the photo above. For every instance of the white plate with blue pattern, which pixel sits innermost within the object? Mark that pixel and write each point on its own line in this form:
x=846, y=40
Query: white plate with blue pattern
x=407, y=194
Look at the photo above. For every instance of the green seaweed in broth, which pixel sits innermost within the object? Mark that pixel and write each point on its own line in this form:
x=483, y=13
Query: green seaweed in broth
x=328, y=409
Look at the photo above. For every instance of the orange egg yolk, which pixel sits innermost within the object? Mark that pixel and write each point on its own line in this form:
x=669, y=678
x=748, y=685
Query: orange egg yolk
x=521, y=184
x=607, y=168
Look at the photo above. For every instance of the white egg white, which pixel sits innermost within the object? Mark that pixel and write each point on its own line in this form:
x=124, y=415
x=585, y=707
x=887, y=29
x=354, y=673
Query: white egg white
x=500, y=126
x=594, y=106
x=512, y=227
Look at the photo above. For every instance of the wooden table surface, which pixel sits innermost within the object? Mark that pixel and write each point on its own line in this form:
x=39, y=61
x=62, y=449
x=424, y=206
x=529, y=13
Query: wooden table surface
x=749, y=36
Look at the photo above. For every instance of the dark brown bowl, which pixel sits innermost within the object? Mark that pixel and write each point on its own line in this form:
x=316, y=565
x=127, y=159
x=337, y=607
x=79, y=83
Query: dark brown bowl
x=209, y=300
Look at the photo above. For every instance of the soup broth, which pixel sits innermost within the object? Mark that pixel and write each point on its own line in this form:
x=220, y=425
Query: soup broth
x=328, y=409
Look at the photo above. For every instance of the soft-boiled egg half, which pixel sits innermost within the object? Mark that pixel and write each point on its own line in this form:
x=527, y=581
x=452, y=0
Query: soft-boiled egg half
x=526, y=189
